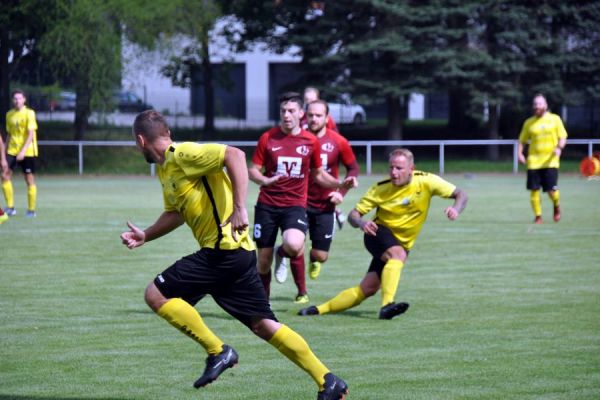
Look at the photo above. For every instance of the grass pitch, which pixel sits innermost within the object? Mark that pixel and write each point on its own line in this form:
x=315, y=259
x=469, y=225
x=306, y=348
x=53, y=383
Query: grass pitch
x=500, y=308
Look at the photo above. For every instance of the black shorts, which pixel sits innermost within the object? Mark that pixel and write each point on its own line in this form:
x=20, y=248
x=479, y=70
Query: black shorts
x=229, y=276
x=377, y=245
x=27, y=164
x=269, y=219
x=321, y=226
x=546, y=178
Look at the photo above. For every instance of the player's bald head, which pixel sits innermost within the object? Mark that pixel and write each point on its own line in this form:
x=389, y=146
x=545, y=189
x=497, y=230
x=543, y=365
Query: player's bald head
x=151, y=125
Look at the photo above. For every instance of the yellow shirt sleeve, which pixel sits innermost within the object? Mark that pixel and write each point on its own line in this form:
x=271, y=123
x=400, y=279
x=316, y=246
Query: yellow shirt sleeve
x=31, y=121
x=200, y=159
x=440, y=187
x=368, y=202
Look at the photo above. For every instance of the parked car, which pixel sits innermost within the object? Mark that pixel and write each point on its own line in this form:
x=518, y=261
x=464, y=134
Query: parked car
x=66, y=101
x=129, y=102
x=346, y=112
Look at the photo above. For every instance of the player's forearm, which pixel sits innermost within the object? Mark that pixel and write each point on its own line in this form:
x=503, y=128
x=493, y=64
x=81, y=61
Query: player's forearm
x=355, y=219
x=460, y=200
x=256, y=175
x=166, y=222
x=351, y=170
x=326, y=180
x=562, y=142
x=235, y=161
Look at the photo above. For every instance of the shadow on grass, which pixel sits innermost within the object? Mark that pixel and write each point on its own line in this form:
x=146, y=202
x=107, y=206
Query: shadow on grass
x=19, y=397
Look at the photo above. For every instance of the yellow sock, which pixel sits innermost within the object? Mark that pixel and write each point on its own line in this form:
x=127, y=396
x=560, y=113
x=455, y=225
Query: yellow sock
x=7, y=189
x=555, y=197
x=344, y=300
x=390, y=277
x=294, y=347
x=536, y=203
x=184, y=317
x=31, y=197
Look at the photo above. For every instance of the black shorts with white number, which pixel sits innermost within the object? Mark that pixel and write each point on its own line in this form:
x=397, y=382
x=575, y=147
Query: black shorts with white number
x=27, y=164
x=229, y=276
x=268, y=220
x=546, y=178
x=321, y=226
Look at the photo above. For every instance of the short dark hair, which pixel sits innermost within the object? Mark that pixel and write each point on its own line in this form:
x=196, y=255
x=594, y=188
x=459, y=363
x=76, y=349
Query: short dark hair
x=293, y=97
x=151, y=124
x=20, y=91
x=323, y=102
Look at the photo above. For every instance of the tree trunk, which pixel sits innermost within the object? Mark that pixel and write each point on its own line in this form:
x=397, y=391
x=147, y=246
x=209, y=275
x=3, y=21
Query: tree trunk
x=493, y=151
x=396, y=106
x=460, y=124
x=395, y=117
x=4, y=77
x=82, y=112
x=209, y=93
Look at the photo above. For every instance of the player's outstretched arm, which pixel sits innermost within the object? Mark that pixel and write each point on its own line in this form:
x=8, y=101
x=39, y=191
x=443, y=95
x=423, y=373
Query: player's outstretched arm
x=460, y=203
x=167, y=222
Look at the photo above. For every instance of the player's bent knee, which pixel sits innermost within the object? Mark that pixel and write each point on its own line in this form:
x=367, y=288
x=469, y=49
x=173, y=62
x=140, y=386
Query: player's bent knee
x=264, y=328
x=153, y=297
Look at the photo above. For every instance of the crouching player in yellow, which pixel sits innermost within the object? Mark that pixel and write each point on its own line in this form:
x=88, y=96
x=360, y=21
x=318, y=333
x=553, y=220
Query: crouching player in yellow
x=401, y=204
x=197, y=191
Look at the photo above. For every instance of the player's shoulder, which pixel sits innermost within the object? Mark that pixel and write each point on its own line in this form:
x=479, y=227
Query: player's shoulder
x=276, y=130
x=29, y=111
x=309, y=136
x=554, y=117
x=336, y=136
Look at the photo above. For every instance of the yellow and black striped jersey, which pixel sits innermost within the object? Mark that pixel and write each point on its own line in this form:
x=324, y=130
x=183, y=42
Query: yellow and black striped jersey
x=543, y=134
x=18, y=125
x=403, y=209
x=195, y=184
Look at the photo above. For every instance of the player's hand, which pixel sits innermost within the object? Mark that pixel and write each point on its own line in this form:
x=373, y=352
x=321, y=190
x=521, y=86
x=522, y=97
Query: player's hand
x=133, y=238
x=20, y=157
x=238, y=220
x=557, y=151
x=3, y=165
x=522, y=159
x=349, y=183
x=336, y=197
x=369, y=227
x=451, y=213
x=271, y=180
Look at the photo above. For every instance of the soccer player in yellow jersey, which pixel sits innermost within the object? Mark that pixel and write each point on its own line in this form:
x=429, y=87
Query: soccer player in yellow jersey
x=22, y=149
x=212, y=202
x=3, y=167
x=547, y=138
x=401, y=205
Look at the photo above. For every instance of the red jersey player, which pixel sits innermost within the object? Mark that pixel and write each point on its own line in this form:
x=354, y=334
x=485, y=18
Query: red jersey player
x=311, y=94
x=321, y=201
x=282, y=162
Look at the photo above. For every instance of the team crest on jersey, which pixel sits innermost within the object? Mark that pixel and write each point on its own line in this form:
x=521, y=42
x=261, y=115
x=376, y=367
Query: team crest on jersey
x=328, y=147
x=302, y=150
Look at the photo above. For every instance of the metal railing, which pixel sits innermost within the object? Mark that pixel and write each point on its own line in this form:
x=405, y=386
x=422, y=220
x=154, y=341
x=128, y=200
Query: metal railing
x=368, y=144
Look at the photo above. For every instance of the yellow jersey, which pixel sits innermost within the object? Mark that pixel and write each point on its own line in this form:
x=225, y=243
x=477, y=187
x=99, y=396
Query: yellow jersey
x=18, y=125
x=403, y=209
x=543, y=134
x=195, y=185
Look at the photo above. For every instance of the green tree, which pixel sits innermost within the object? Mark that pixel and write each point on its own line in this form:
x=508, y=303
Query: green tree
x=22, y=23
x=84, y=46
